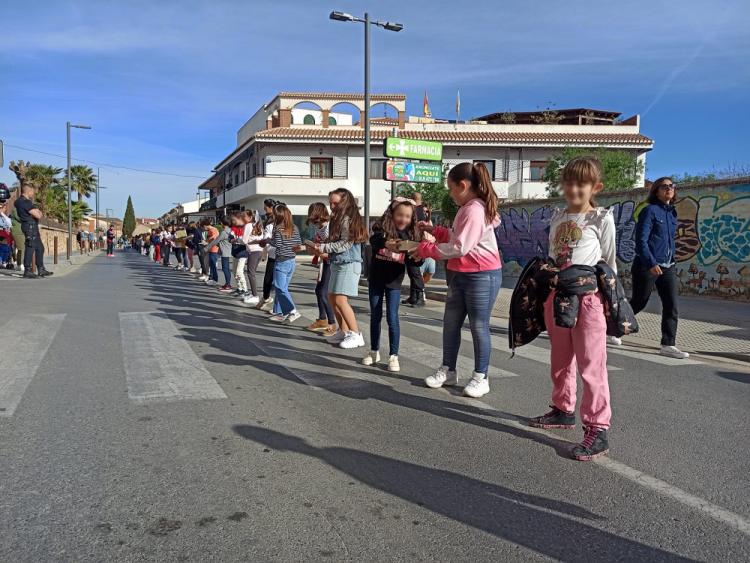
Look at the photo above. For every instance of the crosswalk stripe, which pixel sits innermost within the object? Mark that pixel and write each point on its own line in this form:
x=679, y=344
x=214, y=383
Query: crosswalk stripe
x=159, y=364
x=652, y=357
x=529, y=351
x=424, y=353
x=22, y=350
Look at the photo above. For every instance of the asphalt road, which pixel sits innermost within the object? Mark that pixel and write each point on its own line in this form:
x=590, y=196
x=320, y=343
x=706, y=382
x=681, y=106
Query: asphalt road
x=146, y=417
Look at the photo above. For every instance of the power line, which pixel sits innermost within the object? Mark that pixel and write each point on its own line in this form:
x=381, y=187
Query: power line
x=106, y=165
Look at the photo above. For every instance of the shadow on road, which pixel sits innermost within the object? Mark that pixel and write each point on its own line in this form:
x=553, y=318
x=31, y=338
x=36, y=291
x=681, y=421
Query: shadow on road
x=546, y=526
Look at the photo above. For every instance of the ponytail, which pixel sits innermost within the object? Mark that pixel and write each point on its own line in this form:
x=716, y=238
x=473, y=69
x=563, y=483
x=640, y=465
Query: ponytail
x=481, y=183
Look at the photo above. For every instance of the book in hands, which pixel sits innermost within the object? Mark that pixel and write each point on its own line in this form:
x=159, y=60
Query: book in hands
x=407, y=245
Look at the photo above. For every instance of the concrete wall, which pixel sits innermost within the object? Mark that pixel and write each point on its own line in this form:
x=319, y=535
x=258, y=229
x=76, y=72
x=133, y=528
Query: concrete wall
x=713, y=242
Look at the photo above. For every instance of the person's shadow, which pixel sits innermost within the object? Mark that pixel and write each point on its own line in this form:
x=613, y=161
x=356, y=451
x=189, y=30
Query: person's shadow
x=543, y=525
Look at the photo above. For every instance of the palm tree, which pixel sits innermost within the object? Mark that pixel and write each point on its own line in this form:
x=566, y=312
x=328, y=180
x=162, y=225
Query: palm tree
x=45, y=179
x=79, y=211
x=82, y=180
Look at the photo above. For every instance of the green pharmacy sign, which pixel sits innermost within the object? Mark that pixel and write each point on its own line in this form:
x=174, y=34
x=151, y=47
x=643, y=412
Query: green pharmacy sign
x=398, y=147
x=424, y=172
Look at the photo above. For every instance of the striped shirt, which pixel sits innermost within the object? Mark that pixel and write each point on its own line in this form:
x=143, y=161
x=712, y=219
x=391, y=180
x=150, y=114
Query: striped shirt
x=321, y=233
x=285, y=246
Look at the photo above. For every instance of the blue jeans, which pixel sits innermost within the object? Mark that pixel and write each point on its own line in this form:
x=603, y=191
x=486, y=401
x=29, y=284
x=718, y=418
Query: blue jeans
x=213, y=260
x=226, y=270
x=392, y=299
x=282, y=276
x=472, y=294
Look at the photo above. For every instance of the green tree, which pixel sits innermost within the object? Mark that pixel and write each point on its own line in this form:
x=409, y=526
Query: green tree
x=620, y=169
x=128, y=222
x=46, y=179
x=82, y=180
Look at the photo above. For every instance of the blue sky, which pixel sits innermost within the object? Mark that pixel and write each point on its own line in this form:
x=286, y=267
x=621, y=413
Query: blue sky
x=165, y=85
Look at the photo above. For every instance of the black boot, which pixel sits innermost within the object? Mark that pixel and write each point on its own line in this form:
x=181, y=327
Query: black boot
x=45, y=273
x=29, y=274
x=419, y=302
x=594, y=444
x=411, y=300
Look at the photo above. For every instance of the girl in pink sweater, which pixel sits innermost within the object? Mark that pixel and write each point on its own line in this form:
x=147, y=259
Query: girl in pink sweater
x=473, y=272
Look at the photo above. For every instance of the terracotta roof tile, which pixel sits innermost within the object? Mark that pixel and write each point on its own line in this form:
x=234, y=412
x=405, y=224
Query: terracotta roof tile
x=335, y=134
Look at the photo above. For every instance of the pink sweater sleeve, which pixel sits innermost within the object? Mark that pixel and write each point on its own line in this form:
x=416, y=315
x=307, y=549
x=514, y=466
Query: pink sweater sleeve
x=466, y=234
x=441, y=234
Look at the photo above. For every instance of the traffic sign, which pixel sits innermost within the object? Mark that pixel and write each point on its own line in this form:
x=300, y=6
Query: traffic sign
x=424, y=172
x=398, y=147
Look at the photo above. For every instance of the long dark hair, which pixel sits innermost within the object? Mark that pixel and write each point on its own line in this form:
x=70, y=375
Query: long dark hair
x=347, y=207
x=481, y=184
x=388, y=228
x=653, y=192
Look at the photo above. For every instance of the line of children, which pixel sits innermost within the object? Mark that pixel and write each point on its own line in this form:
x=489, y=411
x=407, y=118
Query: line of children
x=580, y=235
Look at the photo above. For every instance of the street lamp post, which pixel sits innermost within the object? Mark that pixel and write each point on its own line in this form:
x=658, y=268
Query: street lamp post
x=68, y=127
x=390, y=26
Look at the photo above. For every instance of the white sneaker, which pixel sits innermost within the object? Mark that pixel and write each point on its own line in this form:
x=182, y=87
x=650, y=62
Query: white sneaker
x=278, y=318
x=478, y=386
x=251, y=299
x=673, y=352
x=336, y=338
x=268, y=305
x=614, y=341
x=443, y=376
x=203, y=278
x=393, y=364
x=293, y=316
x=212, y=283
x=373, y=357
x=352, y=340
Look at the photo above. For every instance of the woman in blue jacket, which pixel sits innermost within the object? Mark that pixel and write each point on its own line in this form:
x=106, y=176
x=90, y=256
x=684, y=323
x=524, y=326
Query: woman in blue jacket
x=654, y=263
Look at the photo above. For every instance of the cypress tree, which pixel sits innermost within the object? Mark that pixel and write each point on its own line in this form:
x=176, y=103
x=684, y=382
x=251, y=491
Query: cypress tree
x=128, y=222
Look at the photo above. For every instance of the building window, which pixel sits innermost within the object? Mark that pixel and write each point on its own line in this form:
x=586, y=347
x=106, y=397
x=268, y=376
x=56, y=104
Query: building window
x=536, y=170
x=490, y=164
x=321, y=168
x=332, y=120
x=309, y=119
x=242, y=177
x=236, y=179
x=377, y=168
x=255, y=169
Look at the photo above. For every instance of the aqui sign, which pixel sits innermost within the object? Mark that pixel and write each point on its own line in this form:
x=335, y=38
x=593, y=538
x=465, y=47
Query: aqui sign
x=398, y=147
x=407, y=171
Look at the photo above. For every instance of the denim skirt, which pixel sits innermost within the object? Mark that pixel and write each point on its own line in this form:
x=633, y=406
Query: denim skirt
x=345, y=279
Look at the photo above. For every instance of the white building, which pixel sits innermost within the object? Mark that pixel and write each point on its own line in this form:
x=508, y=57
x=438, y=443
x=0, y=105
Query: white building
x=298, y=155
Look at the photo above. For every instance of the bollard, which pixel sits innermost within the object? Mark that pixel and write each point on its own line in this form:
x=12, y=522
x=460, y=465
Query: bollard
x=54, y=254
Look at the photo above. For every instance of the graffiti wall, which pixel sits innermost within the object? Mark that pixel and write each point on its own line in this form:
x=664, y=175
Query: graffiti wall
x=713, y=236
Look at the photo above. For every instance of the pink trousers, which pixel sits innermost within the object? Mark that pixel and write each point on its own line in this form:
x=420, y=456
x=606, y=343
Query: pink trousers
x=582, y=348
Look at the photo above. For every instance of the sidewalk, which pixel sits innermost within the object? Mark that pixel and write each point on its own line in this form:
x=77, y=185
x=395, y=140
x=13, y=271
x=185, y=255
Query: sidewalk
x=699, y=330
x=62, y=268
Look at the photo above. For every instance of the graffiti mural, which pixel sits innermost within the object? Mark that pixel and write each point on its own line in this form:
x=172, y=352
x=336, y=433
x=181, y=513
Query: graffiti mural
x=712, y=246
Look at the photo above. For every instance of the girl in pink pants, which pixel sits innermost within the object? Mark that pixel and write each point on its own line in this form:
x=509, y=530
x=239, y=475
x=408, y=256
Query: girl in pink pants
x=582, y=234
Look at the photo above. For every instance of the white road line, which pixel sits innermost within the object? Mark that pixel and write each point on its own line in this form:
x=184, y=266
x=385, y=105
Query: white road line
x=529, y=351
x=159, y=364
x=424, y=353
x=639, y=477
x=22, y=349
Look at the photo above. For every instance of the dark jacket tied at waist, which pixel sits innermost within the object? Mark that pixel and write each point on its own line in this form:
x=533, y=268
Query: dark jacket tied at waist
x=540, y=276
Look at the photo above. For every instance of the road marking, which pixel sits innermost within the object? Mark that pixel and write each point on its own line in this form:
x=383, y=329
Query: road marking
x=159, y=364
x=638, y=477
x=24, y=345
x=423, y=353
x=529, y=351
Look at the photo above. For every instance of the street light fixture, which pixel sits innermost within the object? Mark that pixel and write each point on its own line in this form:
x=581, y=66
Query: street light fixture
x=68, y=127
x=390, y=26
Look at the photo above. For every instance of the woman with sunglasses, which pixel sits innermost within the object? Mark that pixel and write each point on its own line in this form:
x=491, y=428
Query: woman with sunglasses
x=654, y=263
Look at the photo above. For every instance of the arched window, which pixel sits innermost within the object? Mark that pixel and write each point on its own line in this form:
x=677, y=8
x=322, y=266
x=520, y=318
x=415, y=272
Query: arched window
x=309, y=119
x=331, y=120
